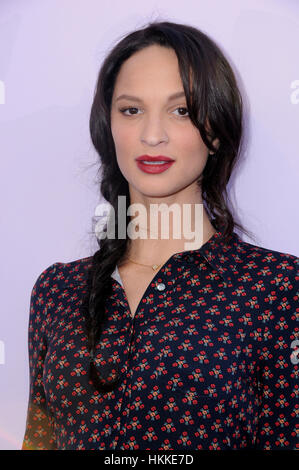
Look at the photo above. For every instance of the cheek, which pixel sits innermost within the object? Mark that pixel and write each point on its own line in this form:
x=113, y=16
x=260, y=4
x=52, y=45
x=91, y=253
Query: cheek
x=124, y=147
x=124, y=140
x=191, y=147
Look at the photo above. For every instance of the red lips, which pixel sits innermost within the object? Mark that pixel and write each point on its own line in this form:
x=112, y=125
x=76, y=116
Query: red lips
x=157, y=158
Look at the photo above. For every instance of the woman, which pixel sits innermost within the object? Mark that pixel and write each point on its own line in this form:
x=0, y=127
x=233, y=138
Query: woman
x=149, y=344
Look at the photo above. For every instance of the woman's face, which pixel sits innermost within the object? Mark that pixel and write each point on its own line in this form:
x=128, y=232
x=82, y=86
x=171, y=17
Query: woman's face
x=151, y=124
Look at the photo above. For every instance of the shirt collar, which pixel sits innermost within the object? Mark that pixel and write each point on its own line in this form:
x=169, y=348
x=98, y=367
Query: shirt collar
x=218, y=253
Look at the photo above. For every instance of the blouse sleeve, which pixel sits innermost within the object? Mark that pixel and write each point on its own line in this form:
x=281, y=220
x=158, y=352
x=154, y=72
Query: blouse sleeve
x=278, y=356
x=39, y=432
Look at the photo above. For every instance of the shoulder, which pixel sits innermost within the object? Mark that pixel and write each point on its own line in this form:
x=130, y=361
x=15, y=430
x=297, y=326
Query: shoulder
x=271, y=277
x=62, y=274
x=264, y=260
x=60, y=282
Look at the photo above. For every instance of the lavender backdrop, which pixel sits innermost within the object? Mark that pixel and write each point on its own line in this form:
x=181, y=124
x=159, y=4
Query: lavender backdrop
x=50, y=53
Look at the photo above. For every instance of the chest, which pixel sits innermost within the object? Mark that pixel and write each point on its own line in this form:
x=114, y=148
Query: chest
x=135, y=282
x=184, y=343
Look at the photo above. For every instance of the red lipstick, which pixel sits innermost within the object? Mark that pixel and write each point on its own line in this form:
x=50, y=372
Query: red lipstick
x=154, y=164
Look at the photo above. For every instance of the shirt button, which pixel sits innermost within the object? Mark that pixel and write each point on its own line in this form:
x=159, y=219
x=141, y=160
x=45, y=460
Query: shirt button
x=161, y=286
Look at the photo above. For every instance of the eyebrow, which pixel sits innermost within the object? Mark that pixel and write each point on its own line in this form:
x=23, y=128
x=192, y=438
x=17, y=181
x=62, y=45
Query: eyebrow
x=174, y=96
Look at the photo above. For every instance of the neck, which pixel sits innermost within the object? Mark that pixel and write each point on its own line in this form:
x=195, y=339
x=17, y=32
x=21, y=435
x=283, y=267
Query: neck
x=149, y=251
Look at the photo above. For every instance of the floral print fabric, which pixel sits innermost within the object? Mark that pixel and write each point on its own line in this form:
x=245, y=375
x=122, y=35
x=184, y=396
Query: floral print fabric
x=207, y=362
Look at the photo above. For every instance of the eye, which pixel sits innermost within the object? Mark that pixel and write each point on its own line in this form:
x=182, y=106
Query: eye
x=183, y=108
x=122, y=110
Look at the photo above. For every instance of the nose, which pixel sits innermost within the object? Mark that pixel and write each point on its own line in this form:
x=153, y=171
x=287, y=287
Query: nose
x=153, y=132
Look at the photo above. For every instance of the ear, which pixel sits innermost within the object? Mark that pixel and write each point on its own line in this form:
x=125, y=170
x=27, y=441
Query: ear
x=216, y=144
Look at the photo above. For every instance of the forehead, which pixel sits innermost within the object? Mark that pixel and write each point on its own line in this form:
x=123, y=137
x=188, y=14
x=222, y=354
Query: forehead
x=154, y=67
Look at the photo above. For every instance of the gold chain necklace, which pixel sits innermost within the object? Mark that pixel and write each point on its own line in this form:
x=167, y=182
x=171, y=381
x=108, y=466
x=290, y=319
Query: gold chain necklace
x=153, y=266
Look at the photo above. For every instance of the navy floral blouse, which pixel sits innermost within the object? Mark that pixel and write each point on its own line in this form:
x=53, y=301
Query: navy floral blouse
x=209, y=361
